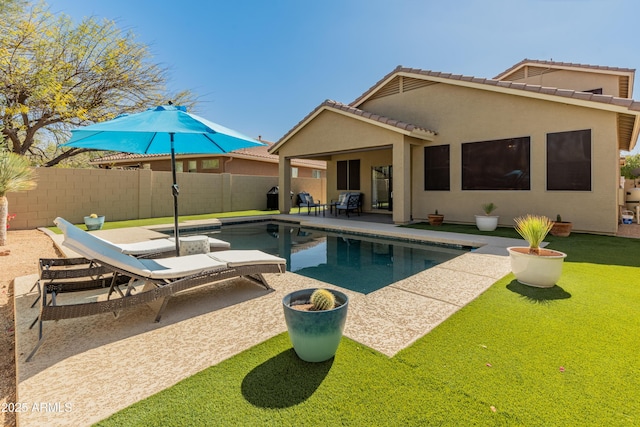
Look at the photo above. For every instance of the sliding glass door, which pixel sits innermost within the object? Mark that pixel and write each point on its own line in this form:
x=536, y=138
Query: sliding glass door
x=382, y=187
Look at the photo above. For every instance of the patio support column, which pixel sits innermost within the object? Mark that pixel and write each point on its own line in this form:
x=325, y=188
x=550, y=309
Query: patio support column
x=284, y=184
x=401, y=182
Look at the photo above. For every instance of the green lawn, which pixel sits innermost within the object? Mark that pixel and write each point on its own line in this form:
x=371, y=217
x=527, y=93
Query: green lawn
x=564, y=356
x=108, y=225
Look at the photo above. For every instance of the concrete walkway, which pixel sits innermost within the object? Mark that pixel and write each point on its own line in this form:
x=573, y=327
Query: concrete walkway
x=89, y=368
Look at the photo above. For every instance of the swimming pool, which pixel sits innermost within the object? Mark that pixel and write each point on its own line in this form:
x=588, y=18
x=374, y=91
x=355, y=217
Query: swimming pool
x=356, y=262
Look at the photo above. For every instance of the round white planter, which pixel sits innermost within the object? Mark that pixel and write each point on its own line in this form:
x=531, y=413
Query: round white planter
x=487, y=222
x=541, y=271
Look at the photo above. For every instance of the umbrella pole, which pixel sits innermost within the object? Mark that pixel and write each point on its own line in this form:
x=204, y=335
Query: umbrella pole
x=175, y=191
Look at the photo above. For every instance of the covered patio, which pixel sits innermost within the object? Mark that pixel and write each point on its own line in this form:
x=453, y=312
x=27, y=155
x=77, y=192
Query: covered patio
x=354, y=142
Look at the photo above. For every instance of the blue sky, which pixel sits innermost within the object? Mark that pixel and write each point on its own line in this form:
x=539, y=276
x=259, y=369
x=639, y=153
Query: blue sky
x=260, y=66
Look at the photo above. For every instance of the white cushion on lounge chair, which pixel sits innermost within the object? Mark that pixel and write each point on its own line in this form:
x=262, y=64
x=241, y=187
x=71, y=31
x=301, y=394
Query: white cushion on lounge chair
x=91, y=247
x=162, y=245
x=176, y=267
x=159, y=245
x=237, y=258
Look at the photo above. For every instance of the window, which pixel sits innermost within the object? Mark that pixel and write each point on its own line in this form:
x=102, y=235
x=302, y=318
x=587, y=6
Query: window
x=211, y=164
x=348, y=174
x=179, y=166
x=436, y=168
x=316, y=174
x=569, y=161
x=502, y=164
x=193, y=166
x=294, y=172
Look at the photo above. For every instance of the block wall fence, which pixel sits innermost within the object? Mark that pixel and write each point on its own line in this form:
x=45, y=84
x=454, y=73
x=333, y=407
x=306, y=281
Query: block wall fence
x=143, y=193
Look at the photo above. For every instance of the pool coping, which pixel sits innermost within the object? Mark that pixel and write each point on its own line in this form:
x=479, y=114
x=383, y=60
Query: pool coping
x=101, y=365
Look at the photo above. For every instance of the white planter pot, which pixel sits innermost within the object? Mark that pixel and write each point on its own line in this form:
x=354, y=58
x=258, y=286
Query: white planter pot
x=486, y=222
x=541, y=271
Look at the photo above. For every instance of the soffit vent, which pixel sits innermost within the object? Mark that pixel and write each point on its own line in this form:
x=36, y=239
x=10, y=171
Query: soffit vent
x=536, y=71
x=623, y=87
x=410, y=83
x=516, y=75
x=391, y=88
x=625, y=130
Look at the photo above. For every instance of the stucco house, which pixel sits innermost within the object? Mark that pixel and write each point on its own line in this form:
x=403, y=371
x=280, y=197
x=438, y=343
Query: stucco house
x=542, y=137
x=245, y=161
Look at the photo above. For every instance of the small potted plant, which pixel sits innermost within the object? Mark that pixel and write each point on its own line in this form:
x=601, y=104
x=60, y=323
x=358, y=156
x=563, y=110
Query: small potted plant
x=561, y=228
x=435, y=219
x=315, y=320
x=94, y=222
x=533, y=265
x=487, y=222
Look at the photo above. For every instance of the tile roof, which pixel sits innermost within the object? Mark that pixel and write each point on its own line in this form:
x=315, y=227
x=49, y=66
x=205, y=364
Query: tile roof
x=566, y=93
x=361, y=113
x=563, y=65
x=260, y=152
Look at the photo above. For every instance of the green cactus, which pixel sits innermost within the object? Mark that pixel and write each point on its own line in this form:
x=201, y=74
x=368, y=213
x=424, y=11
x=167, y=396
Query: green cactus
x=322, y=299
x=558, y=218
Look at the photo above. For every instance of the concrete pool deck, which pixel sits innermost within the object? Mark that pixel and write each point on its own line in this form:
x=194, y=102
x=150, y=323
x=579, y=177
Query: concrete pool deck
x=89, y=368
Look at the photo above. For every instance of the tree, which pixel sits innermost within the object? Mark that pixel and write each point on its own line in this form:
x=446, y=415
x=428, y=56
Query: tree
x=55, y=75
x=16, y=174
x=631, y=168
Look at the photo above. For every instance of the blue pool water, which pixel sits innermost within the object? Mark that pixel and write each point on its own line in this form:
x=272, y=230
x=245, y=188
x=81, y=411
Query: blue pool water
x=356, y=262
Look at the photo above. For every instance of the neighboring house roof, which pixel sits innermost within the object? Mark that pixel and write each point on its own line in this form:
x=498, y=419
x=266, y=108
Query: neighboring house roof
x=358, y=114
x=260, y=153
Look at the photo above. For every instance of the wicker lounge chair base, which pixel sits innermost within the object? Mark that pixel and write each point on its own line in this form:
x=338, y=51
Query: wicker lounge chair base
x=70, y=275
x=162, y=278
x=160, y=293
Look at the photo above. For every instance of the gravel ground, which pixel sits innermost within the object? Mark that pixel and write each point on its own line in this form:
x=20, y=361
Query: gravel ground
x=19, y=257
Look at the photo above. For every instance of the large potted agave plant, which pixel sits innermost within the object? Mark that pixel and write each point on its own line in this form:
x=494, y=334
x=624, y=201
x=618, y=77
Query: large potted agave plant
x=315, y=320
x=533, y=265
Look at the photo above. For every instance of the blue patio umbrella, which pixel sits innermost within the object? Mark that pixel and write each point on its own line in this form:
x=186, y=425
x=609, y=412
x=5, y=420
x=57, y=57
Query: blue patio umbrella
x=161, y=130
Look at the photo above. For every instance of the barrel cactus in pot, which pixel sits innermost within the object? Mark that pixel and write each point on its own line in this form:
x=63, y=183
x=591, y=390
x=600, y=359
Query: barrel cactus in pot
x=315, y=320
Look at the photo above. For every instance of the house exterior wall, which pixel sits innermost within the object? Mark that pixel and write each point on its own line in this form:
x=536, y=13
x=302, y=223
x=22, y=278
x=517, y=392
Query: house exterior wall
x=576, y=80
x=368, y=159
x=143, y=193
x=461, y=115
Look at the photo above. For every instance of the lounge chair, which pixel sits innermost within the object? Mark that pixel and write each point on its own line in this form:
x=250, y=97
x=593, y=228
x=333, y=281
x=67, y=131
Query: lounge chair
x=162, y=277
x=60, y=269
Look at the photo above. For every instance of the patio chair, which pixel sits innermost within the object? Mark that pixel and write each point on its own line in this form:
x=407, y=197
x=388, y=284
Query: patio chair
x=306, y=200
x=351, y=203
x=335, y=203
x=162, y=277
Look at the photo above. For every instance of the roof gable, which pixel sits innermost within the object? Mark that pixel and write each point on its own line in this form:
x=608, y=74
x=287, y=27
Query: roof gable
x=554, y=65
x=358, y=114
x=530, y=68
x=388, y=86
